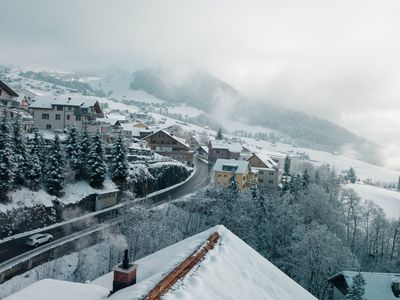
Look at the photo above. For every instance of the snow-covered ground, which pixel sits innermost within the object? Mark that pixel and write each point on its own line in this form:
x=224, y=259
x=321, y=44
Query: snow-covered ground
x=389, y=200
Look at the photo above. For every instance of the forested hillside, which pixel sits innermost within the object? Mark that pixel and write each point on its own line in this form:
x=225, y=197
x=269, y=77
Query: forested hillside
x=202, y=90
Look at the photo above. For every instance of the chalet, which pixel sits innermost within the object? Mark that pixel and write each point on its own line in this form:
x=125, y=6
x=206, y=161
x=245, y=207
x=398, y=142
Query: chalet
x=382, y=286
x=167, y=144
x=8, y=99
x=225, y=170
x=202, y=152
x=269, y=174
x=59, y=113
x=279, y=158
x=224, y=150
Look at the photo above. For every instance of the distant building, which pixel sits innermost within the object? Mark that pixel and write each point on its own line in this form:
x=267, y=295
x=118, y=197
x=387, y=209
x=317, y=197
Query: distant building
x=269, y=174
x=202, y=152
x=8, y=99
x=224, y=150
x=295, y=161
x=51, y=113
x=382, y=286
x=166, y=144
x=225, y=169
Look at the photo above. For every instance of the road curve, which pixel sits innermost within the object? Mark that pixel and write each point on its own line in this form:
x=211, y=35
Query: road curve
x=201, y=178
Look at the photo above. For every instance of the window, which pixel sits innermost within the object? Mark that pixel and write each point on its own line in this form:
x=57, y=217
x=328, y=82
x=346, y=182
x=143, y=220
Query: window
x=271, y=182
x=260, y=180
x=77, y=118
x=69, y=108
x=271, y=173
x=68, y=117
x=60, y=107
x=225, y=175
x=48, y=126
x=0, y=91
x=244, y=177
x=58, y=117
x=45, y=116
x=261, y=172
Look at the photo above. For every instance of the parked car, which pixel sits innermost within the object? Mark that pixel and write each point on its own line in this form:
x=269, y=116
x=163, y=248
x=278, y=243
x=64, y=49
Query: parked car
x=38, y=239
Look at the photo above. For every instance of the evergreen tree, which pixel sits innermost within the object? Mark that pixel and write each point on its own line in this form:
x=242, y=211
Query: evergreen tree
x=234, y=184
x=54, y=172
x=83, y=155
x=72, y=151
x=97, y=166
x=306, y=179
x=351, y=175
x=33, y=172
x=357, y=290
x=20, y=152
x=286, y=167
x=119, y=165
x=36, y=146
x=7, y=162
x=219, y=134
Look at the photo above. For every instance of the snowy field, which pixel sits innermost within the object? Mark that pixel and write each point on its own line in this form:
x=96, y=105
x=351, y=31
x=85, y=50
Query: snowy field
x=387, y=199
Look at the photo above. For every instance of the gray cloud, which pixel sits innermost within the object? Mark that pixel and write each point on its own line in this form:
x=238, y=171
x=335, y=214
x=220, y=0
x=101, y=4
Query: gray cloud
x=335, y=59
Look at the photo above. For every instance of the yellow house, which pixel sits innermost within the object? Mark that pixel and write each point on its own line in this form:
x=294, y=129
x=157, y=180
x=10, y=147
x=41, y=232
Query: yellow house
x=140, y=125
x=225, y=169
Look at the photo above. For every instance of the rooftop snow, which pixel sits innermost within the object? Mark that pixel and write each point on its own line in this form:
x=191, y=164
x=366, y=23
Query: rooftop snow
x=49, y=289
x=240, y=165
x=232, y=147
x=267, y=160
x=47, y=102
x=377, y=285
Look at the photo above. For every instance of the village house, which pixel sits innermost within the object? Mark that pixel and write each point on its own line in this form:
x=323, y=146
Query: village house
x=279, y=158
x=8, y=99
x=202, y=152
x=382, y=286
x=225, y=170
x=224, y=150
x=167, y=144
x=51, y=113
x=269, y=174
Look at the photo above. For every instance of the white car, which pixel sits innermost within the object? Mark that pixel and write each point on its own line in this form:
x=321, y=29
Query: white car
x=38, y=239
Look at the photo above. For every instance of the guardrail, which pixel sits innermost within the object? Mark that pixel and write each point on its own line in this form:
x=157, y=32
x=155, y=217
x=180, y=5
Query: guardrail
x=30, y=259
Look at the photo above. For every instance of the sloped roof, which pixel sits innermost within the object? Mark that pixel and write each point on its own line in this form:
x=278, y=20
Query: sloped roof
x=178, y=139
x=267, y=160
x=49, y=289
x=377, y=285
x=232, y=147
x=47, y=102
x=9, y=90
x=233, y=268
x=231, y=166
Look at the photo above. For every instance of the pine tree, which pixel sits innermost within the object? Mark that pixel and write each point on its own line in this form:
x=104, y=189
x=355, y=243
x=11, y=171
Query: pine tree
x=351, y=175
x=33, y=174
x=119, y=165
x=72, y=151
x=306, y=178
x=83, y=155
x=286, y=167
x=234, y=184
x=7, y=163
x=97, y=166
x=20, y=152
x=54, y=172
x=357, y=290
x=219, y=134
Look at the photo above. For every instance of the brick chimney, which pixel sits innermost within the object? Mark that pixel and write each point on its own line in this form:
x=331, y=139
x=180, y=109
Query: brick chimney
x=124, y=274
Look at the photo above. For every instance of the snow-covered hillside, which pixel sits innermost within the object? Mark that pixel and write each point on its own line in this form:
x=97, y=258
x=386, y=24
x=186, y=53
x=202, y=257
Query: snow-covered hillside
x=387, y=199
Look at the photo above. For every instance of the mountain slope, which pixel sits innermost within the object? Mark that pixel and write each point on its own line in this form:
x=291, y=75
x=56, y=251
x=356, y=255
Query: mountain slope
x=202, y=90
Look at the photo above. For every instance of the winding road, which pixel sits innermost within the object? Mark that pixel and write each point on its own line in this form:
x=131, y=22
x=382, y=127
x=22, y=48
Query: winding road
x=16, y=248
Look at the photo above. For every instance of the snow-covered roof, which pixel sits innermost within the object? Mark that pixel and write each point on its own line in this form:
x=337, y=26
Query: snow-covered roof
x=178, y=139
x=204, y=148
x=232, y=147
x=231, y=166
x=267, y=160
x=377, y=285
x=232, y=268
x=47, y=102
x=108, y=121
x=49, y=289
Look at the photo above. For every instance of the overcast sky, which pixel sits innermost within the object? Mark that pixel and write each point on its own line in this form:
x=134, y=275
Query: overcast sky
x=335, y=59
